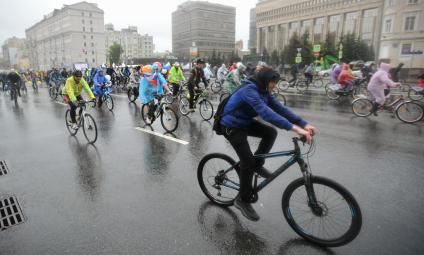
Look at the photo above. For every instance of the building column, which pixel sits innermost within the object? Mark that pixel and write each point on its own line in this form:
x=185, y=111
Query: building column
x=311, y=31
x=266, y=38
x=276, y=37
x=358, y=26
x=258, y=40
x=340, y=30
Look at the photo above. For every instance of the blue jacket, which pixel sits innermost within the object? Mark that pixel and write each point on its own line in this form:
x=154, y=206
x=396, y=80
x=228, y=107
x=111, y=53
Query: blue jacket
x=248, y=102
x=147, y=91
x=99, y=81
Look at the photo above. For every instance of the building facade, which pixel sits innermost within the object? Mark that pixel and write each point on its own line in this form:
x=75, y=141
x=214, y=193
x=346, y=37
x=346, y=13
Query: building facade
x=134, y=45
x=277, y=21
x=67, y=36
x=199, y=28
x=402, y=37
x=252, y=30
x=15, y=53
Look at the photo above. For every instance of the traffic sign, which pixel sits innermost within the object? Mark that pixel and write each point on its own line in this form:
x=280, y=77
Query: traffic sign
x=317, y=47
x=298, y=55
x=298, y=60
x=340, y=54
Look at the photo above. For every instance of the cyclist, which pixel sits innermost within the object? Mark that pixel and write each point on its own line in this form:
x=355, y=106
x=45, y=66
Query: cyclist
x=196, y=74
x=72, y=93
x=55, y=77
x=110, y=71
x=335, y=72
x=309, y=73
x=235, y=77
x=175, y=77
x=346, y=78
x=99, y=82
x=222, y=72
x=64, y=73
x=152, y=83
x=379, y=82
x=294, y=70
x=15, y=80
x=238, y=122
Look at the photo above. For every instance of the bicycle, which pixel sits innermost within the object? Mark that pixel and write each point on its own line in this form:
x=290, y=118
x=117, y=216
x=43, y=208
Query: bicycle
x=106, y=97
x=87, y=122
x=56, y=89
x=306, y=196
x=301, y=84
x=170, y=98
x=216, y=86
x=168, y=117
x=133, y=93
x=13, y=90
x=406, y=111
x=416, y=93
x=201, y=98
x=334, y=91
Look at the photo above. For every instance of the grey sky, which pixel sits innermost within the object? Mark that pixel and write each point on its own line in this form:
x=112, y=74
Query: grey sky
x=152, y=17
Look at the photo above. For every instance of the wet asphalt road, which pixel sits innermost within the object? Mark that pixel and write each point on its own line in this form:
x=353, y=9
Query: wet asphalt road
x=136, y=193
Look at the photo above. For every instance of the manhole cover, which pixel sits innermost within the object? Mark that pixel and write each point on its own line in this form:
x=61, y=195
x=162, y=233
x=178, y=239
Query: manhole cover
x=3, y=168
x=10, y=213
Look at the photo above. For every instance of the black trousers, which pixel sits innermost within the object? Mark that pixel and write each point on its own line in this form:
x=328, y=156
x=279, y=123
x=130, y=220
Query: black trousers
x=248, y=164
x=74, y=108
x=175, y=88
x=191, y=89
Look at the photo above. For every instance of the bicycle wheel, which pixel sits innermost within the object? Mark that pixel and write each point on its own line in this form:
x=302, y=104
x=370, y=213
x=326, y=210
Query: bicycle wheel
x=336, y=221
x=223, y=96
x=132, y=95
x=361, y=90
x=89, y=128
x=206, y=109
x=318, y=83
x=109, y=101
x=331, y=94
x=184, y=106
x=144, y=114
x=169, y=98
x=216, y=87
x=301, y=86
x=169, y=119
x=280, y=97
x=409, y=112
x=68, y=123
x=52, y=93
x=414, y=95
x=218, y=184
x=283, y=85
x=362, y=107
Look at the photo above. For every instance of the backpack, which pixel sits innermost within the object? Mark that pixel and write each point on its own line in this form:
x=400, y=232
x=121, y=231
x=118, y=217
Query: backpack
x=220, y=113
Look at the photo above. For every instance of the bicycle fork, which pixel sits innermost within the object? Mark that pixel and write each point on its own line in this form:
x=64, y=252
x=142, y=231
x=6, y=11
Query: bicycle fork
x=312, y=199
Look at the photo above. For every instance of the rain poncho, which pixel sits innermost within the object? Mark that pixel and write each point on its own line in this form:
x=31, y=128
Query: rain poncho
x=222, y=72
x=335, y=73
x=99, y=81
x=151, y=86
x=233, y=80
x=380, y=81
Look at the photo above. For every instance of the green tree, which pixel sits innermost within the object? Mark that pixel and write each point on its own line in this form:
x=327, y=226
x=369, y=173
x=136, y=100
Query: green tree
x=307, y=54
x=115, y=52
x=329, y=47
x=349, y=48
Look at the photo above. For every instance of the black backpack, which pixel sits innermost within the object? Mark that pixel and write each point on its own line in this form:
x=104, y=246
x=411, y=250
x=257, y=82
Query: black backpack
x=220, y=113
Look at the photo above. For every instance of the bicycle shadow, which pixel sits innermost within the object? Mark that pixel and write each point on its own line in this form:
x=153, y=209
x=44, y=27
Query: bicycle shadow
x=301, y=246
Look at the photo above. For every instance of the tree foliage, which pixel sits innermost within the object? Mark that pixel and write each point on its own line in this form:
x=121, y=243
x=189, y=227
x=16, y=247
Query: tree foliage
x=115, y=52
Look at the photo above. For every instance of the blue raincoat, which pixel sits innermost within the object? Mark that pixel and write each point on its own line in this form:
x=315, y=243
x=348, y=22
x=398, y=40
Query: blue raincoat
x=99, y=80
x=147, y=90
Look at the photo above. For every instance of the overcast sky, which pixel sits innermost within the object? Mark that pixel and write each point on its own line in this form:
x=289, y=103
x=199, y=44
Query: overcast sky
x=150, y=16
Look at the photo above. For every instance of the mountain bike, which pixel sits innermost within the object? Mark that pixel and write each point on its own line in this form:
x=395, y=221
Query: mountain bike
x=106, y=97
x=200, y=98
x=56, y=89
x=335, y=91
x=170, y=98
x=84, y=121
x=406, y=111
x=168, y=117
x=317, y=208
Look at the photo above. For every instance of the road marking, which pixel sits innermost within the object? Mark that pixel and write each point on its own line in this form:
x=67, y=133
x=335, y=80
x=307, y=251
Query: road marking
x=162, y=135
x=116, y=95
x=60, y=103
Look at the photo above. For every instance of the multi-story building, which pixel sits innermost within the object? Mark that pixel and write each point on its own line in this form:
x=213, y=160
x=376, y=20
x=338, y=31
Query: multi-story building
x=133, y=44
x=402, y=38
x=15, y=53
x=252, y=30
x=201, y=28
x=71, y=35
x=277, y=21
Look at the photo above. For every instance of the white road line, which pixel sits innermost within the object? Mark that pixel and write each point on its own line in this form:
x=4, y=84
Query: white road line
x=161, y=135
x=60, y=103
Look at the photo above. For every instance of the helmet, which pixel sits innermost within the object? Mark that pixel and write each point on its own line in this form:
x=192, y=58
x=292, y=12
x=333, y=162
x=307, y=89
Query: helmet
x=147, y=70
x=107, y=78
x=240, y=66
x=200, y=61
x=176, y=64
x=164, y=71
x=156, y=66
x=167, y=66
x=77, y=73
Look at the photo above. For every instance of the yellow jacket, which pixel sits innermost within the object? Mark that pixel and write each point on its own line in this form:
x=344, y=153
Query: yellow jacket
x=72, y=89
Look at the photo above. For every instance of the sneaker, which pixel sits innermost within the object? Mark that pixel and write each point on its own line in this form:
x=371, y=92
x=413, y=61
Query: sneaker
x=246, y=209
x=74, y=126
x=263, y=172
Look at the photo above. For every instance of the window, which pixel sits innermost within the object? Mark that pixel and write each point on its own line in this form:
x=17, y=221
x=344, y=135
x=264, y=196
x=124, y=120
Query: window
x=90, y=14
x=388, y=26
x=94, y=61
x=82, y=13
x=91, y=22
x=389, y=3
x=91, y=30
x=406, y=49
x=85, y=44
x=412, y=1
x=83, y=21
x=83, y=29
x=83, y=36
x=92, y=37
x=92, y=44
x=409, y=23
x=92, y=52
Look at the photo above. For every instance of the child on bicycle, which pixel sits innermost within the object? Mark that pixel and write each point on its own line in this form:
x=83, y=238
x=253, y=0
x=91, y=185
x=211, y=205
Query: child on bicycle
x=378, y=83
x=152, y=84
x=72, y=93
x=239, y=121
x=99, y=82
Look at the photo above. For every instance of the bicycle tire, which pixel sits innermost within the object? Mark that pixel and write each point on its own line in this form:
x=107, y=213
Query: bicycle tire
x=405, y=107
x=280, y=97
x=68, y=124
x=352, y=209
x=183, y=106
x=88, y=118
x=301, y=86
x=52, y=93
x=131, y=95
x=144, y=114
x=318, y=83
x=331, y=94
x=218, y=181
x=109, y=101
x=283, y=85
x=216, y=87
x=223, y=96
x=359, y=104
x=169, y=98
x=169, y=113
x=413, y=95
x=206, y=109
x=361, y=90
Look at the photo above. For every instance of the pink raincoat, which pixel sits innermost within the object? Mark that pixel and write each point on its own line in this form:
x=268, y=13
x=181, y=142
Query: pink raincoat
x=379, y=81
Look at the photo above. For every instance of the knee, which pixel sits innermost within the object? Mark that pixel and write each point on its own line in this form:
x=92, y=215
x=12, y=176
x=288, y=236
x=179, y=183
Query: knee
x=271, y=133
x=247, y=163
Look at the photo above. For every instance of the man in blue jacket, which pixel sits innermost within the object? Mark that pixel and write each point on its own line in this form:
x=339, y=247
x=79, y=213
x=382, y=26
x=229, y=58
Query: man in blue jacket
x=238, y=122
x=99, y=81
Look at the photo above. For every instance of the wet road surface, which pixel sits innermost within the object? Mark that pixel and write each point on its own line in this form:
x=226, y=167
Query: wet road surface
x=137, y=193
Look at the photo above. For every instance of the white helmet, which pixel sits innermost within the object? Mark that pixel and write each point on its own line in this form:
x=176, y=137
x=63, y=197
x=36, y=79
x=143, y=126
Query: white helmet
x=107, y=76
x=176, y=64
x=164, y=71
x=240, y=66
